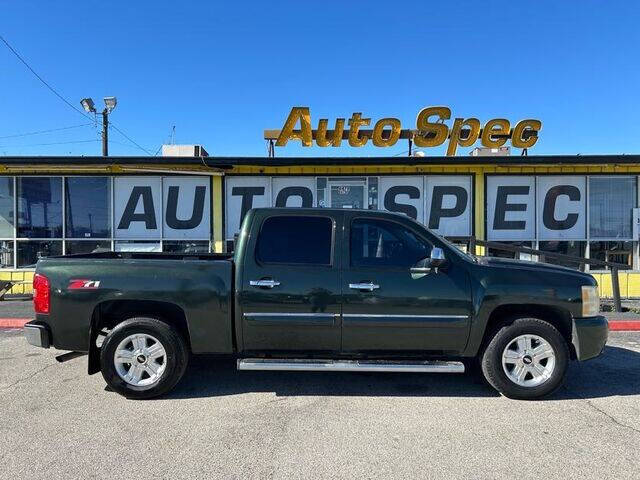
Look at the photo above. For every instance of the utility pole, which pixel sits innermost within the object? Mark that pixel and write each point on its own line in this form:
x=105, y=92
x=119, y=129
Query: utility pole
x=105, y=133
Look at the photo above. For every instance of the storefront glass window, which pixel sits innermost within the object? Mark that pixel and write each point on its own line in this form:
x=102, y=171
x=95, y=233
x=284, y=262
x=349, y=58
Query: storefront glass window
x=30, y=251
x=6, y=254
x=87, y=203
x=618, y=252
x=496, y=252
x=6, y=207
x=39, y=207
x=185, y=246
x=87, y=246
x=571, y=247
x=611, y=202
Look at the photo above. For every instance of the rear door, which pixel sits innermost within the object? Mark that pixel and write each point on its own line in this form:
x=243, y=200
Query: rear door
x=290, y=296
x=385, y=308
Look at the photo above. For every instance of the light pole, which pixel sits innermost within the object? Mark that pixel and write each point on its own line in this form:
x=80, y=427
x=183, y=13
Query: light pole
x=109, y=104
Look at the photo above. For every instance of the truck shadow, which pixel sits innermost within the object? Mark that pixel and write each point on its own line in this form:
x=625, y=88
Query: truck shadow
x=616, y=372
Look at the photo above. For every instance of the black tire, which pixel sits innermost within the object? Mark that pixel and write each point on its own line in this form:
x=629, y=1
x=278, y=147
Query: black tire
x=177, y=357
x=495, y=374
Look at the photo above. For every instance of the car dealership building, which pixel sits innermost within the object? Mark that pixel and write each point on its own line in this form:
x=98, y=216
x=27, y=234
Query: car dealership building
x=576, y=205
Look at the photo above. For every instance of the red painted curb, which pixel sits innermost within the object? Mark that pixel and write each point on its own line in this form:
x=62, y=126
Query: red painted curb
x=13, y=322
x=624, y=325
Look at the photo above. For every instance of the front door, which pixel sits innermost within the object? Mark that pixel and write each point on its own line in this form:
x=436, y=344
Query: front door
x=347, y=193
x=290, y=295
x=385, y=308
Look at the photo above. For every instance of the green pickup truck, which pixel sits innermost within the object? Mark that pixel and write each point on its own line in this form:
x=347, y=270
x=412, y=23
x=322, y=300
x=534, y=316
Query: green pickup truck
x=319, y=290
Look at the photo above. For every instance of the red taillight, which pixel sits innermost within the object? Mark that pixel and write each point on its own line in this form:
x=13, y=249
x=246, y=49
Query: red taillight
x=41, y=298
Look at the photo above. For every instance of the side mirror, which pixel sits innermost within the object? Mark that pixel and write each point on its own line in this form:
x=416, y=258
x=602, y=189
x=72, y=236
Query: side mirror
x=424, y=266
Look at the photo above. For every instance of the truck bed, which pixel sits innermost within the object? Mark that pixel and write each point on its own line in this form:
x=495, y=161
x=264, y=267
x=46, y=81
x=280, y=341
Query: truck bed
x=195, y=289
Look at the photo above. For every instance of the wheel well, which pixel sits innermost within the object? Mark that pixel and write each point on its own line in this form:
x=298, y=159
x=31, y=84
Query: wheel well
x=506, y=314
x=107, y=315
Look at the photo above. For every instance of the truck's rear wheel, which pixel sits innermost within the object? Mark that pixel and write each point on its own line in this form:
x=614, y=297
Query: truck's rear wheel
x=143, y=358
x=526, y=359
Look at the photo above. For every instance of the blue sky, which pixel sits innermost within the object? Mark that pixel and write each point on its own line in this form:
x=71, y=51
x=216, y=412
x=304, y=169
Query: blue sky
x=222, y=72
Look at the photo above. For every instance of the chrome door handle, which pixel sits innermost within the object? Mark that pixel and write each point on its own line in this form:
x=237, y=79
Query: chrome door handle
x=370, y=287
x=264, y=283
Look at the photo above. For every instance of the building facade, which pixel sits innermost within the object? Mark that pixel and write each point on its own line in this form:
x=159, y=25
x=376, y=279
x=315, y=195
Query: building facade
x=576, y=205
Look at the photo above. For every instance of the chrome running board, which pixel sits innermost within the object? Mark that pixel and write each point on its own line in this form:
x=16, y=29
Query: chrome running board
x=350, y=365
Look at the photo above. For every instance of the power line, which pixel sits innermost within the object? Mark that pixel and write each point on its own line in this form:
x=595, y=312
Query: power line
x=43, y=144
x=45, y=131
x=64, y=99
x=42, y=79
x=128, y=138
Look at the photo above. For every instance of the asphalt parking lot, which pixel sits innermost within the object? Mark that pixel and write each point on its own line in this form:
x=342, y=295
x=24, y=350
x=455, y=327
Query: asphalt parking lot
x=57, y=422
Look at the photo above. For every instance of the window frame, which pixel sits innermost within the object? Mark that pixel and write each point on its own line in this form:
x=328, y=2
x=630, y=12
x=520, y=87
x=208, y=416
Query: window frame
x=332, y=250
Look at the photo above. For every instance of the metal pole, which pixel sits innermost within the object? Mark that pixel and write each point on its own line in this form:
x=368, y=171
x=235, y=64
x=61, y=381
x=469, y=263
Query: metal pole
x=105, y=133
x=615, y=283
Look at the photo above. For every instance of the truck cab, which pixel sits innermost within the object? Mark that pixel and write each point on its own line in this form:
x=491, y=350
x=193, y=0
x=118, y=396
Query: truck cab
x=341, y=282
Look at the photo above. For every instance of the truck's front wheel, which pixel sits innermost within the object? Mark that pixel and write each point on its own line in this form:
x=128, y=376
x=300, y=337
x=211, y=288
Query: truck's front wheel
x=526, y=359
x=143, y=358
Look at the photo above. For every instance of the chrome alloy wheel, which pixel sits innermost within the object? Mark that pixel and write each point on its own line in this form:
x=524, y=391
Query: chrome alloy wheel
x=140, y=360
x=528, y=360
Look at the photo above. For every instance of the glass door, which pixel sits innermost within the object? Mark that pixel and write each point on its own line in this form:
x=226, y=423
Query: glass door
x=347, y=193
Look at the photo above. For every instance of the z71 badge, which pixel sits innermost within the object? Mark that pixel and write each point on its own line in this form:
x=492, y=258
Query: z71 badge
x=83, y=284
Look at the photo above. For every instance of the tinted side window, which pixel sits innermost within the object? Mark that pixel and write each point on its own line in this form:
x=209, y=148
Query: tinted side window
x=293, y=239
x=378, y=243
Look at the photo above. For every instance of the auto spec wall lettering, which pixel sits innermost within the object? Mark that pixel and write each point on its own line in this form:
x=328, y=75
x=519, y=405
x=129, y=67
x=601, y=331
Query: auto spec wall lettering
x=449, y=211
x=241, y=195
x=511, y=208
x=448, y=207
x=293, y=191
x=162, y=207
x=403, y=195
x=549, y=207
x=561, y=206
x=187, y=207
x=137, y=207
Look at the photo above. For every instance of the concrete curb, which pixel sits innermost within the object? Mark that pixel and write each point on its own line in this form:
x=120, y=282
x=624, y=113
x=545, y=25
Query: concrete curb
x=614, y=325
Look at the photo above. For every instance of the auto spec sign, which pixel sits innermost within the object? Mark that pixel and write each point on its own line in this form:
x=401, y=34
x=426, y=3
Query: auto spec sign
x=162, y=207
x=431, y=131
x=528, y=207
x=442, y=202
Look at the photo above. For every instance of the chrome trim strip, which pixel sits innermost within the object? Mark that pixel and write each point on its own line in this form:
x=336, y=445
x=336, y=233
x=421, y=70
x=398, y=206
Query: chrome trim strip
x=382, y=315
x=279, y=314
x=349, y=365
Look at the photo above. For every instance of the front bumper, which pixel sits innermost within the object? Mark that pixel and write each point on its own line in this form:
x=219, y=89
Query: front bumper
x=589, y=336
x=37, y=334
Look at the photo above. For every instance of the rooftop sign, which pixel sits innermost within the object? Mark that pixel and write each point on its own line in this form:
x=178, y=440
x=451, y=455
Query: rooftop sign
x=431, y=131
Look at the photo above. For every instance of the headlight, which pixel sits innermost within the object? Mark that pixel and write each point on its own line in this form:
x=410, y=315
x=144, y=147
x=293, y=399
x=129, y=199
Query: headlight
x=590, y=301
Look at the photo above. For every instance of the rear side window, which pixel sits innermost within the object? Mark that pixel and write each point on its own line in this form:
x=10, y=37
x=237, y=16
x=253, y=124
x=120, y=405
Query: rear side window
x=293, y=239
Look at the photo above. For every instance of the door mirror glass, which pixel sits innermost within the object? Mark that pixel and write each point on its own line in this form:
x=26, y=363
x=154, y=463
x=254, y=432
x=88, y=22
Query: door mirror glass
x=426, y=265
x=437, y=258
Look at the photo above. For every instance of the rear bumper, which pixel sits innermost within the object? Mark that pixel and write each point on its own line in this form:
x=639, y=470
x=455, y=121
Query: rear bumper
x=37, y=334
x=589, y=336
